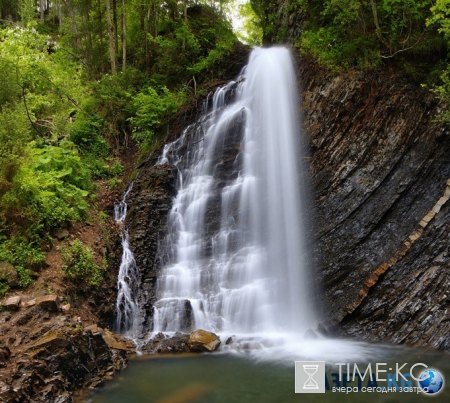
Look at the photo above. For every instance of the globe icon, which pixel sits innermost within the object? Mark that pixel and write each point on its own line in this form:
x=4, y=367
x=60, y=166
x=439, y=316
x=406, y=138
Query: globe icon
x=431, y=381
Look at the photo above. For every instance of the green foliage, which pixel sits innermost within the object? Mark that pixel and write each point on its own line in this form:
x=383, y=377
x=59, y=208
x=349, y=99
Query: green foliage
x=23, y=255
x=151, y=107
x=43, y=181
x=86, y=134
x=443, y=93
x=440, y=17
x=110, y=100
x=4, y=288
x=251, y=31
x=114, y=182
x=334, y=52
x=344, y=34
x=48, y=190
x=64, y=116
x=79, y=264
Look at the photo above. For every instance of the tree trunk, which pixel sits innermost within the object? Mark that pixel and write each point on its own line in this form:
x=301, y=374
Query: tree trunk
x=142, y=16
x=375, y=20
x=90, y=47
x=112, y=46
x=60, y=14
x=77, y=44
x=185, y=22
x=124, y=36
x=101, y=33
x=116, y=32
x=42, y=10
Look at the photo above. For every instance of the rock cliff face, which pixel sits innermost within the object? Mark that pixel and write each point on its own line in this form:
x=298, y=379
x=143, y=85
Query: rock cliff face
x=379, y=167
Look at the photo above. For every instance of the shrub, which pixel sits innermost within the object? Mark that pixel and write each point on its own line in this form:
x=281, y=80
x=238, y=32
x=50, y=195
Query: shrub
x=79, y=264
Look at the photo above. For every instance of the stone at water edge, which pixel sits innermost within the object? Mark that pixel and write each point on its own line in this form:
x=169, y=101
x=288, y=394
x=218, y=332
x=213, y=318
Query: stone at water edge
x=115, y=341
x=201, y=340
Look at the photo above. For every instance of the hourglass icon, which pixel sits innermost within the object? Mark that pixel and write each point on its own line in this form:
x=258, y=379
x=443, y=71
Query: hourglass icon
x=310, y=371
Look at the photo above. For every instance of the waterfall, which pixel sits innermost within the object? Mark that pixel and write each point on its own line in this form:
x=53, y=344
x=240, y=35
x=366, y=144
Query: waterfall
x=248, y=275
x=128, y=313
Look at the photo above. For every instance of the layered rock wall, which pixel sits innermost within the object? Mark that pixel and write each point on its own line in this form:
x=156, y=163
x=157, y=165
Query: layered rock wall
x=379, y=164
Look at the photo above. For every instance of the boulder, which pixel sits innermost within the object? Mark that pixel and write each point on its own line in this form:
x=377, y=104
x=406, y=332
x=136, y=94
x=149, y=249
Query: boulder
x=48, y=302
x=54, y=340
x=116, y=342
x=160, y=344
x=201, y=340
x=13, y=303
x=9, y=274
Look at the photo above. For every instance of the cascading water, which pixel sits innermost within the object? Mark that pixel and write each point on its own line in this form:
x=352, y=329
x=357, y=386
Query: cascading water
x=249, y=276
x=128, y=313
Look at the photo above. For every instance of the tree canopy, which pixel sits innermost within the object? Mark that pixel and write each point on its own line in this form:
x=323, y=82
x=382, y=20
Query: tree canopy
x=81, y=80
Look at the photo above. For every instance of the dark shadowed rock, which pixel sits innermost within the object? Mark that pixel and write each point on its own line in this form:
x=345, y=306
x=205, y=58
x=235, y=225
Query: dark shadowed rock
x=5, y=353
x=9, y=274
x=48, y=302
x=379, y=164
x=60, y=362
x=161, y=344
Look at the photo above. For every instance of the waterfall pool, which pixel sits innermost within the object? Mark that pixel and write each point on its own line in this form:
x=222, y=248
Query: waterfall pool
x=243, y=378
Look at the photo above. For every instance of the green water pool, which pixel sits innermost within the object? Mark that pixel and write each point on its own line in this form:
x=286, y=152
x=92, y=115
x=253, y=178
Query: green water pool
x=242, y=378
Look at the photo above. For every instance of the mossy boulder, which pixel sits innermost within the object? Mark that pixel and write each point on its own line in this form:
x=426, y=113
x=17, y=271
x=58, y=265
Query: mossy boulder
x=8, y=274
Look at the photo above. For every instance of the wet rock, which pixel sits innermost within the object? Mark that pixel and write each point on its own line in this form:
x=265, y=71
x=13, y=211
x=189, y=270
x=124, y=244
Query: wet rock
x=160, y=344
x=13, y=303
x=230, y=340
x=48, y=303
x=201, y=340
x=323, y=329
x=149, y=204
x=8, y=274
x=116, y=342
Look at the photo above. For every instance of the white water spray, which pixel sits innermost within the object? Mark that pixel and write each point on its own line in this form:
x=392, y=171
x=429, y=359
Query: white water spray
x=128, y=313
x=249, y=277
